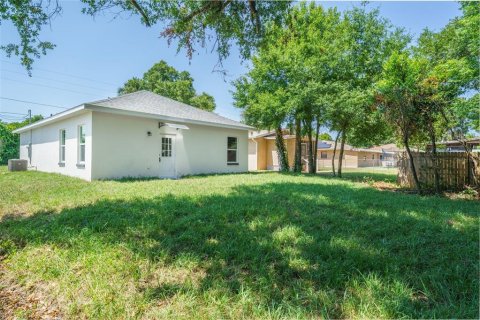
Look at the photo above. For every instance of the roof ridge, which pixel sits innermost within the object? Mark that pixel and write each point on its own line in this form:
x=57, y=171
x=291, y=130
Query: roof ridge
x=188, y=105
x=117, y=97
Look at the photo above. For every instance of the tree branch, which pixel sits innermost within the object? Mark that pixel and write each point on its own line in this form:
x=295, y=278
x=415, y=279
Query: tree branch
x=142, y=12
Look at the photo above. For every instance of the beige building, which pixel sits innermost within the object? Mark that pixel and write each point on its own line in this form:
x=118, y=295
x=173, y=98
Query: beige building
x=262, y=153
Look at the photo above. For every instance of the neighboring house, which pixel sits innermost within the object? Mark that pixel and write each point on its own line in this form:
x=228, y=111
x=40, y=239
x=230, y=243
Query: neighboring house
x=457, y=146
x=262, y=153
x=140, y=134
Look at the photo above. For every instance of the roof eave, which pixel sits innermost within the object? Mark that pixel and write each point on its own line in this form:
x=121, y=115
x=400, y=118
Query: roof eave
x=160, y=117
x=48, y=120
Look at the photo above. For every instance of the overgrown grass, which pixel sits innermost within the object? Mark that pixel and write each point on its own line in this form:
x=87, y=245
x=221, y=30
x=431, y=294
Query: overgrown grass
x=239, y=246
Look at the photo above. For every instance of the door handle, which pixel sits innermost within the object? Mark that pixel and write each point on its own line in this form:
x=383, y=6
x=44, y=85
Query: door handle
x=159, y=158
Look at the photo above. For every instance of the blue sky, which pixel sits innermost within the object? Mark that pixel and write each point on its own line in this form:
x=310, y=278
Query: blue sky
x=95, y=56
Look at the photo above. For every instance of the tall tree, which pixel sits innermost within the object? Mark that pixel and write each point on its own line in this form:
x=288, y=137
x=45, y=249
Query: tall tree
x=167, y=81
x=452, y=71
x=262, y=94
x=396, y=99
x=309, y=51
x=366, y=42
x=191, y=23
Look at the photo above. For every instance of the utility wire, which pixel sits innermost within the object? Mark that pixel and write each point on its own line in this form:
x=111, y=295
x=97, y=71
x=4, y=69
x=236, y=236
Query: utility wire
x=22, y=114
x=60, y=81
x=67, y=74
x=47, y=86
x=40, y=104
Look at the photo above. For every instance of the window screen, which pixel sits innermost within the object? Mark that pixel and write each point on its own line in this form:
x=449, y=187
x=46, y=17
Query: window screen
x=231, y=150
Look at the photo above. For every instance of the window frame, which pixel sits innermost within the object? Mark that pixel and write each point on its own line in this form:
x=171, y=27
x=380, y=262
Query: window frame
x=81, y=131
x=235, y=162
x=167, y=152
x=62, y=135
x=322, y=153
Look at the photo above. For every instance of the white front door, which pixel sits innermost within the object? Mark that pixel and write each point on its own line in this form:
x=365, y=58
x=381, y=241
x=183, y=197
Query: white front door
x=167, y=156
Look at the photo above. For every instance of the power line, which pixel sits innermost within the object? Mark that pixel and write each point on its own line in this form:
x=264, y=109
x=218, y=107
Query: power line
x=67, y=74
x=60, y=81
x=47, y=86
x=40, y=104
x=22, y=114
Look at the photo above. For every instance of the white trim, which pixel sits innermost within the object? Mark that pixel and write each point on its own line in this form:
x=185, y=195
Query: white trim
x=79, y=143
x=55, y=117
x=236, y=150
x=92, y=107
x=60, y=145
x=174, y=126
x=174, y=153
x=160, y=117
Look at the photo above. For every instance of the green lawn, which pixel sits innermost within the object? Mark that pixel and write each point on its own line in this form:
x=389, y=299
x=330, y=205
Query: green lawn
x=264, y=245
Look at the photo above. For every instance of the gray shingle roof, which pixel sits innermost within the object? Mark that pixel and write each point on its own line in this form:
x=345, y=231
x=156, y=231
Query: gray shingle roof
x=151, y=103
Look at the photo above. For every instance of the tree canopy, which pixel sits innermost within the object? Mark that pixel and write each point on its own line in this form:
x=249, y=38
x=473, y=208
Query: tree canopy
x=9, y=141
x=169, y=82
x=192, y=23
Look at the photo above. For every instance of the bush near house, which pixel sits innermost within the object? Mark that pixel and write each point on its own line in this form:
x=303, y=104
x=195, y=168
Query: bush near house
x=235, y=246
x=9, y=141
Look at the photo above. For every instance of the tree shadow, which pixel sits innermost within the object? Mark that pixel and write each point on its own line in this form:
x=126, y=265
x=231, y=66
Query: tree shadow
x=290, y=244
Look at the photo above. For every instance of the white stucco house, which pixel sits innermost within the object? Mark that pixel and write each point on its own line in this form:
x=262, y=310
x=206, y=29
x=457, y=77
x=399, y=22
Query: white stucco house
x=141, y=134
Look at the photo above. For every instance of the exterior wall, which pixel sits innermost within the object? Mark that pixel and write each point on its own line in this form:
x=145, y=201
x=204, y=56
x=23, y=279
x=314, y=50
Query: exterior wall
x=371, y=159
x=122, y=148
x=350, y=159
x=45, y=153
x=252, y=155
x=257, y=154
x=290, y=144
x=272, y=156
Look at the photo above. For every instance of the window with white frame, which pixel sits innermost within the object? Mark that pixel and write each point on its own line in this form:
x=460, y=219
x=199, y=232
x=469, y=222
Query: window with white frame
x=61, y=150
x=166, y=147
x=81, y=144
x=323, y=155
x=232, y=147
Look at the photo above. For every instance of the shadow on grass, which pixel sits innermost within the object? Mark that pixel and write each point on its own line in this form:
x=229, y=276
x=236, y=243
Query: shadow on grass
x=292, y=244
x=362, y=176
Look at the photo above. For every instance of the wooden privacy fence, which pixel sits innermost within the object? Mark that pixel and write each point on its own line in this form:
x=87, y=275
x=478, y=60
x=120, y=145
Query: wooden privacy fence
x=455, y=169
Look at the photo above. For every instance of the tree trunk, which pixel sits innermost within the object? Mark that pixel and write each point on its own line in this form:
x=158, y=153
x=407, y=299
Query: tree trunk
x=340, y=159
x=334, y=152
x=315, y=147
x=281, y=150
x=436, y=174
x=297, y=167
x=308, y=129
x=412, y=164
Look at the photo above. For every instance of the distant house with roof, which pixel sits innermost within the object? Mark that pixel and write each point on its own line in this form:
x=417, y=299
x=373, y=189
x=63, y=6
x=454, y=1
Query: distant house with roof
x=457, y=146
x=262, y=153
x=141, y=134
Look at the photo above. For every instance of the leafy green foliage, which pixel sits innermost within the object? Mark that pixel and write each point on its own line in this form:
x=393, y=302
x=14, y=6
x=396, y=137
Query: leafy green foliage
x=191, y=23
x=167, y=81
x=256, y=246
x=325, y=136
x=28, y=17
x=9, y=144
x=9, y=141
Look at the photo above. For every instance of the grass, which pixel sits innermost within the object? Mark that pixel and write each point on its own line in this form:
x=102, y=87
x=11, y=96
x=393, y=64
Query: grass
x=265, y=245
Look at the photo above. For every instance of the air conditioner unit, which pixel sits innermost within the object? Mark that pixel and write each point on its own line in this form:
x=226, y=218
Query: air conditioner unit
x=17, y=165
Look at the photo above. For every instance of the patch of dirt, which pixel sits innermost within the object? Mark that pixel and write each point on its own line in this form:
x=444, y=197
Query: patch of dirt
x=382, y=185
x=17, y=302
